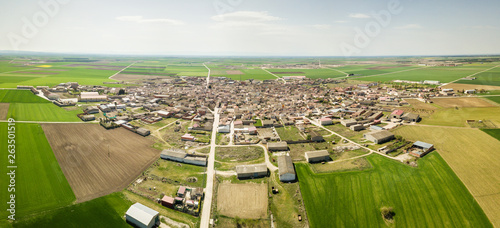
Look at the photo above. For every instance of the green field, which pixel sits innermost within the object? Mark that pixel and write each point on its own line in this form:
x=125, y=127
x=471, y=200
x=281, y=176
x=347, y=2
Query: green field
x=289, y=133
x=310, y=73
x=428, y=196
x=495, y=99
x=495, y=133
x=41, y=112
x=491, y=77
x=107, y=211
x=40, y=182
x=374, y=69
x=458, y=117
x=442, y=74
x=20, y=96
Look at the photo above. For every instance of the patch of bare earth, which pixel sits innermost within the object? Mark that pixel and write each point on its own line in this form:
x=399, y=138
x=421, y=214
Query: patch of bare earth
x=4, y=110
x=247, y=201
x=97, y=162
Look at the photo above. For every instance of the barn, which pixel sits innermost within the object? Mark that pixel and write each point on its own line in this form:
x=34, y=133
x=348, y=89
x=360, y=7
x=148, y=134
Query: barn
x=348, y=122
x=141, y=216
x=316, y=137
x=286, y=170
x=396, y=114
x=167, y=201
x=317, y=156
x=379, y=136
x=326, y=121
x=277, y=146
x=412, y=117
x=251, y=171
x=420, y=149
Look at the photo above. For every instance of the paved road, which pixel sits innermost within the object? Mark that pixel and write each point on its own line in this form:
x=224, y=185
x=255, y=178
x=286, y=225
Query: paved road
x=207, y=203
x=111, y=77
x=208, y=75
x=355, y=143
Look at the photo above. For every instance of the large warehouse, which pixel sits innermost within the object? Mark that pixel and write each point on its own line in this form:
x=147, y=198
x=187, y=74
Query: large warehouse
x=286, y=170
x=277, y=146
x=251, y=171
x=317, y=156
x=142, y=216
x=379, y=136
x=91, y=97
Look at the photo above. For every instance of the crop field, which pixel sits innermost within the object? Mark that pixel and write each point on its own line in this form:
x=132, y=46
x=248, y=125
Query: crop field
x=428, y=196
x=463, y=102
x=474, y=157
x=310, y=73
x=457, y=86
x=290, y=133
x=374, y=69
x=42, y=112
x=287, y=204
x=495, y=133
x=491, y=77
x=96, y=161
x=107, y=211
x=20, y=96
x=4, y=109
x=494, y=99
x=442, y=74
x=458, y=117
x=40, y=183
x=231, y=197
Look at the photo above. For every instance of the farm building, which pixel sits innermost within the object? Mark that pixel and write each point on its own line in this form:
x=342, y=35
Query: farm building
x=181, y=192
x=167, y=201
x=143, y=131
x=412, y=117
x=326, y=121
x=379, y=136
x=104, y=108
x=141, y=216
x=252, y=130
x=317, y=156
x=187, y=137
x=357, y=127
x=419, y=149
x=267, y=123
x=348, y=122
x=88, y=117
x=91, y=110
x=316, y=137
x=396, y=114
x=286, y=170
x=179, y=155
x=377, y=128
x=277, y=146
x=470, y=91
x=91, y=97
x=251, y=171
x=224, y=129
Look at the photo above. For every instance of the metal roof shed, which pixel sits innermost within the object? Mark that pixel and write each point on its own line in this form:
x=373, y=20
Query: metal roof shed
x=142, y=216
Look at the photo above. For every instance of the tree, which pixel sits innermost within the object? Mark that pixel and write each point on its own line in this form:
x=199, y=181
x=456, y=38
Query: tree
x=387, y=213
x=121, y=92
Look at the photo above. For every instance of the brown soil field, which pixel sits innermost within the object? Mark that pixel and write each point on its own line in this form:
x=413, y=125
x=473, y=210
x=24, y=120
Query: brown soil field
x=462, y=102
x=82, y=153
x=297, y=72
x=4, y=110
x=457, y=86
x=416, y=104
x=234, y=72
x=231, y=197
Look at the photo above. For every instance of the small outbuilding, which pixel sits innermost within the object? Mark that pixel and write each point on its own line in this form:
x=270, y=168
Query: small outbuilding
x=167, y=201
x=251, y=171
x=277, y=146
x=348, y=122
x=412, y=117
x=316, y=137
x=286, y=169
x=396, y=114
x=317, y=156
x=326, y=121
x=141, y=216
x=420, y=149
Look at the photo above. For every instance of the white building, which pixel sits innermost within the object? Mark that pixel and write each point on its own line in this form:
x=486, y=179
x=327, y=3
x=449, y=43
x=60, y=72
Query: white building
x=142, y=216
x=286, y=170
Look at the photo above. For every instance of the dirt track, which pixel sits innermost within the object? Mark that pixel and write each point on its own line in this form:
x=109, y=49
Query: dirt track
x=4, y=110
x=82, y=153
x=231, y=197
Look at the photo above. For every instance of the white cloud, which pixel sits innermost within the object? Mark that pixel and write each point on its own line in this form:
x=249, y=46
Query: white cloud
x=341, y=22
x=409, y=26
x=247, y=16
x=140, y=19
x=359, y=15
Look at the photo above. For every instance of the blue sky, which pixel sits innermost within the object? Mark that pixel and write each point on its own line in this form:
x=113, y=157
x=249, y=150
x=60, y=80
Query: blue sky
x=252, y=27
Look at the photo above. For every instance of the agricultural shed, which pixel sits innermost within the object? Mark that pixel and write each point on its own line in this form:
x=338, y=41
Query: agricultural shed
x=267, y=123
x=251, y=171
x=357, y=127
x=277, y=146
x=377, y=128
x=179, y=155
x=420, y=149
x=88, y=117
x=181, y=191
x=187, y=137
x=396, y=114
x=326, y=121
x=316, y=137
x=348, y=122
x=379, y=136
x=142, y=216
x=286, y=169
x=143, y=131
x=91, y=97
x=317, y=156
x=91, y=110
x=412, y=117
x=224, y=129
x=167, y=201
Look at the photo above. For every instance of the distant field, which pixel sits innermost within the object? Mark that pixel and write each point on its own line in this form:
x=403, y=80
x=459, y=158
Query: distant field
x=428, y=196
x=310, y=73
x=458, y=117
x=463, y=102
x=495, y=99
x=457, y=86
x=374, y=69
x=473, y=155
x=495, y=133
x=40, y=182
x=4, y=110
x=41, y=112
x=442, y=74
x=491, y=77
x=20, y=96
x=107, y=211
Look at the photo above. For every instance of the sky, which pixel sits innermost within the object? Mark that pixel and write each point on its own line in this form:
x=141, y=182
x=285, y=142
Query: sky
x=252, y=27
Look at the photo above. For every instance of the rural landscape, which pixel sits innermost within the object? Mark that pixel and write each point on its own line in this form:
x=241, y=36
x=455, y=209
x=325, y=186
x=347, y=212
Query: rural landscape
x=249, y=114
